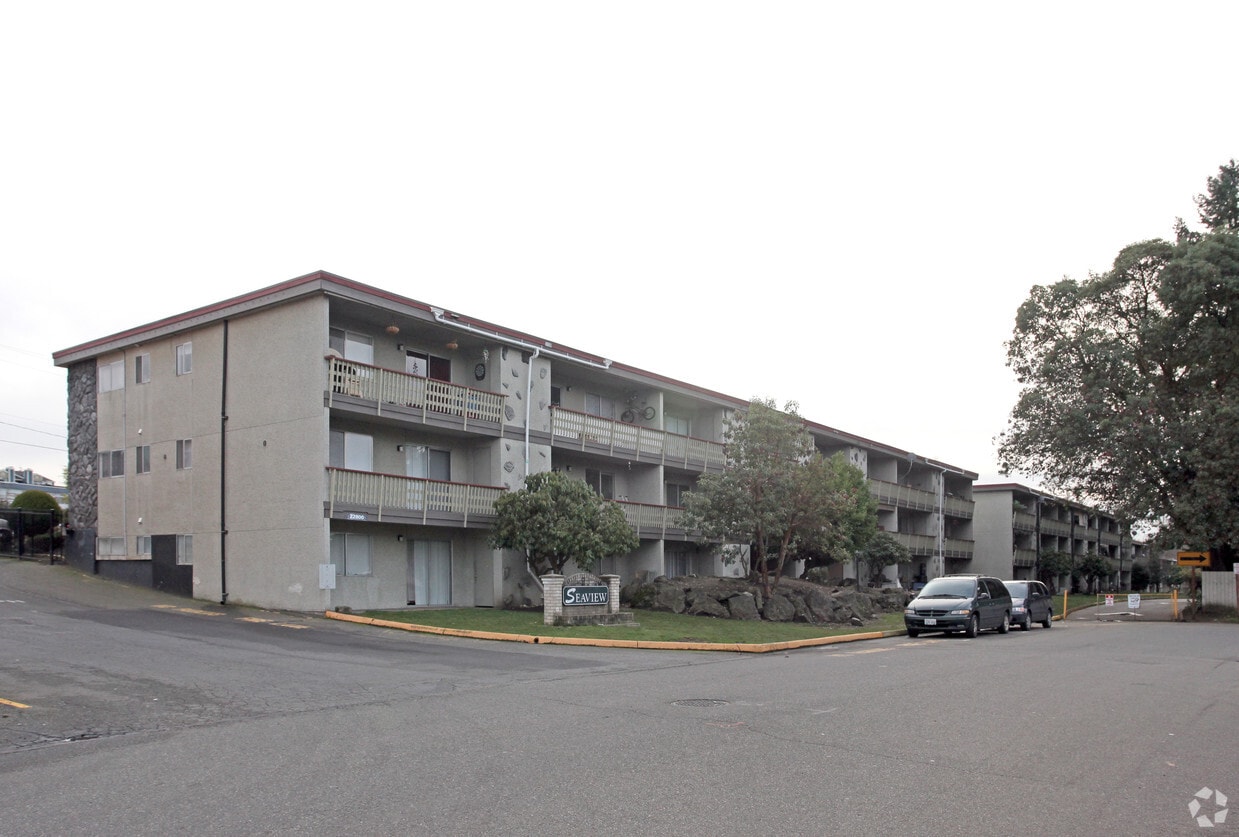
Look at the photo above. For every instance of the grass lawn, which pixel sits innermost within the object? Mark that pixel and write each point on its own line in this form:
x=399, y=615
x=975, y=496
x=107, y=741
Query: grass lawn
x=652, y=626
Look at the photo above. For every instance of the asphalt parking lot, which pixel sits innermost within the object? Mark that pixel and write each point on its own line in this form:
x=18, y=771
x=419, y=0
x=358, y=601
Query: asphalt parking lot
x=147, y=714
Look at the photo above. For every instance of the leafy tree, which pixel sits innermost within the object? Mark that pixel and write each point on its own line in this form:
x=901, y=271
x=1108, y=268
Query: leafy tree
x=1153, y=568
x=1139, y=577
x=1091, y=568
x=779, y=495
x=882, y=551
x=1054, y=564
x=1130, y=381
x=39, y=501
x=555, y=519
x=1175, y=575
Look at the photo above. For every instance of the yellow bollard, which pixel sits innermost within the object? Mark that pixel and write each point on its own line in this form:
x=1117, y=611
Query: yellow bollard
x=1174, y=603
x=1064, y=616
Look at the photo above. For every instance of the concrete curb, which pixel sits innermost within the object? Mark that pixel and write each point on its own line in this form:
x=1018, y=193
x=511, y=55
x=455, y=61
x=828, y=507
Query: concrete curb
x=742, y=647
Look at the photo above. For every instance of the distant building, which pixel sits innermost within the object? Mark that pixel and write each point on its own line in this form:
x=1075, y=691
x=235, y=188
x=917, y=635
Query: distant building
x=1016, y=526
x=14, y=481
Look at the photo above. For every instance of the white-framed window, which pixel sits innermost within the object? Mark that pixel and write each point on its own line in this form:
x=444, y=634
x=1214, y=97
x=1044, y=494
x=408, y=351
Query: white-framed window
x=144, y=545
x=601, y=482
x=142, y=368
x=676, y=492
x=351, y=346
x=111, y=464
x=184, y=550
x=109, y=549
x=184, y=454
x=184, y=358
x=676, y=424
x=111, y=376
x=142, y=459
x=354, y=451
x=350, y=553
x=599, y=405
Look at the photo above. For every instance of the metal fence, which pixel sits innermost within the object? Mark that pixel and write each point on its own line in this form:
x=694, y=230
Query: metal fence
x=29, y=533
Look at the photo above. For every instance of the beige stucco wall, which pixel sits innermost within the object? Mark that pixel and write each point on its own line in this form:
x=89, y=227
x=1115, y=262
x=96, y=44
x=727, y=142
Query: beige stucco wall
x=276, y=457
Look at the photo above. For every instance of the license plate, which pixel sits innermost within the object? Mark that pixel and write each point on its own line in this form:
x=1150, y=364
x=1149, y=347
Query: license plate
x=931, y=621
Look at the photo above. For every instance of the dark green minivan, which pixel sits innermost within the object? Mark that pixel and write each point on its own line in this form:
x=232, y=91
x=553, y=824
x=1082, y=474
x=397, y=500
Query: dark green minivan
x=967, y=604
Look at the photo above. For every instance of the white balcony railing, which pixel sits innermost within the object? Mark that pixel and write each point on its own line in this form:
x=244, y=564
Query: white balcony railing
x=646, y=518
x=389, y=495
x=918, y=499
x=387, y=386
x=928, y=544
x=570, y=428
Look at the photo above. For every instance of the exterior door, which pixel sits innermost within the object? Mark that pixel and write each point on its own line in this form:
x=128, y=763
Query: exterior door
x=429, y=575
x=425, y=463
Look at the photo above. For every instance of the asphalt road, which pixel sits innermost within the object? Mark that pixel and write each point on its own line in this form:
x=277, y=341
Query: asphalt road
x=149, y=714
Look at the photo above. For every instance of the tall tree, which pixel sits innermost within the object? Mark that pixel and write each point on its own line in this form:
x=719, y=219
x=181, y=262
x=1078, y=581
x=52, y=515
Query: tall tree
x=778, y=494
x=1219, y=205
x=1130, y=381
x=555, y=519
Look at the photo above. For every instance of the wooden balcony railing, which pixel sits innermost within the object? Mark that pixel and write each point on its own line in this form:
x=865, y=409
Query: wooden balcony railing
x=583, y=431
x=1023, y=521
x=918, y=499
x=649, y=519
x=927, y=544
x=387, y=386
x=410, y=497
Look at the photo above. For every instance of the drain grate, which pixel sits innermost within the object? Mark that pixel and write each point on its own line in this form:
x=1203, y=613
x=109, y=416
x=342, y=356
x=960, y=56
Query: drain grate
x=699, y=702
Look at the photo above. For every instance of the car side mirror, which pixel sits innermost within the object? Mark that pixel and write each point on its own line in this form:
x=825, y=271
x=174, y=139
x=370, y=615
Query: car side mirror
x=983, y=595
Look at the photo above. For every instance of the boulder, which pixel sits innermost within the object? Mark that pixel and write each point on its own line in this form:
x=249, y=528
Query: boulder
x=743, y=606
x=779, y=608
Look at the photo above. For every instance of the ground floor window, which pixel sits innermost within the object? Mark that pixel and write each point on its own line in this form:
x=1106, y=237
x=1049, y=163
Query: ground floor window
x=350, y=553
x=429, y=574
x=185, y=550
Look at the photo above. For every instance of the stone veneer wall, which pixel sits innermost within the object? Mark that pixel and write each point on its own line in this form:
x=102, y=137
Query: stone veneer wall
x=83, y=483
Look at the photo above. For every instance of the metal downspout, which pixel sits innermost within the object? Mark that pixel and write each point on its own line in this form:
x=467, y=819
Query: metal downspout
x=528, y=415
x=223, y=474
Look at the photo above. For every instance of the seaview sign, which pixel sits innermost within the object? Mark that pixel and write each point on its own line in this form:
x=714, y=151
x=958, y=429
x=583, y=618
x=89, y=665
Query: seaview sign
x=586, y=595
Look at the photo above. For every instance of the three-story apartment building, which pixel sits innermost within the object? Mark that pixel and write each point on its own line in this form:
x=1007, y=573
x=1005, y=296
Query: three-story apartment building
x=322, y=443
x=1017, y=526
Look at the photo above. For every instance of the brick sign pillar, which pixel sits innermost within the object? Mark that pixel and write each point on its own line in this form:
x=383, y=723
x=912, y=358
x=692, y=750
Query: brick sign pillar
x=552, y=598
x=612, y=582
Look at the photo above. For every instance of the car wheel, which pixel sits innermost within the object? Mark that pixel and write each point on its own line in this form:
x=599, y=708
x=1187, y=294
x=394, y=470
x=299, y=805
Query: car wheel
x=1049, y=619
x=1006, y=623
x=974, y=626
x=913, y=633
x=1027, y=623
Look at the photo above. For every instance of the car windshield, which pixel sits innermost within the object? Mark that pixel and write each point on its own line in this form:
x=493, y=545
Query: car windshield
x=1017, y=589
x=959, y=587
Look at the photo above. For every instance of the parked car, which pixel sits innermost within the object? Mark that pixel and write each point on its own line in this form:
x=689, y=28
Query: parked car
x=959, y=603
x=1031, y=601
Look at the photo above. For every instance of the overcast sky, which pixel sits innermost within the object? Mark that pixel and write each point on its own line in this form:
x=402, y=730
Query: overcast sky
x=837, y=204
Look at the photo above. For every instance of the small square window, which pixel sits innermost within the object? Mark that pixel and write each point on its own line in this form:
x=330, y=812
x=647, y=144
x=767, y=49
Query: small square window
x=144, y=545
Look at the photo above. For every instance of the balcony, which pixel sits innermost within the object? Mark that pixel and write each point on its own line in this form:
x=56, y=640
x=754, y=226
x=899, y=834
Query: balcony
x=657, y=522
x=363, y=495
x=918, y=499
x=595, y=434
x=928, y=545
x=1024, y=558
x=1023, y=521
x=1055, y=527
x=412, y=396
